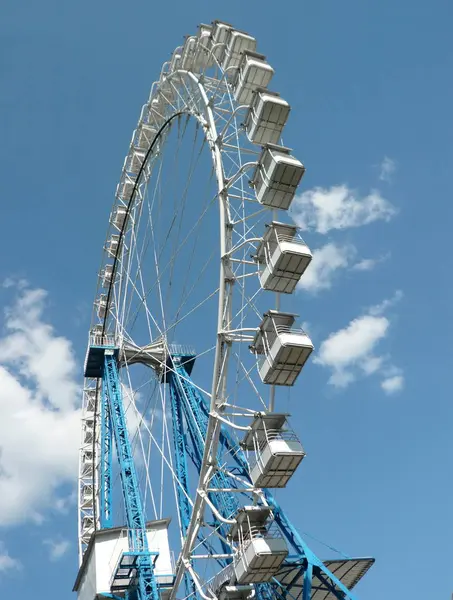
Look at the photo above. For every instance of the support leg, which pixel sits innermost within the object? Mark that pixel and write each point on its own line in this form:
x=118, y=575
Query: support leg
x=308, y=577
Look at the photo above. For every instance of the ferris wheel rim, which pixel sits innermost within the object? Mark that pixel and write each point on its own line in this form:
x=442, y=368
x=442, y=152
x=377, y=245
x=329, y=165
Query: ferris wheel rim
x=217, y=162
x=227, y=331
x=131, y=202
x=223, y=465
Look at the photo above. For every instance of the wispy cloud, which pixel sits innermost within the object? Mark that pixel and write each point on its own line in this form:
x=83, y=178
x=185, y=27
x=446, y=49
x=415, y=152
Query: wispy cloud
x=352, y=352
x=325, y=263
x=339, y=207
x=57, y=548
x=328, y=261
x=63, y=504
x=387, y=169
x=368, y=264
x=16, y=282
x=7, y=563
x=393, y=384
x=379, y=309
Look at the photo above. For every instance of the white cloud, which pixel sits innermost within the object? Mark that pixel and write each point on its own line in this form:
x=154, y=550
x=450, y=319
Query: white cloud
x=14, y=282
x=339, y=207
x=39, y=355
x=367, y=264
x=326, y=261
x=351, y=352
x=57, y=548
x=40, y=424
x=350, y=347
x=7, y=563
x=379, y=309
x=387, y=169
x=394, y=384
x=372, y=364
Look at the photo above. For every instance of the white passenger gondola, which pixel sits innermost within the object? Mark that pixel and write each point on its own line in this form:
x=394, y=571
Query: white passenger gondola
x=86, y=494
x=88, y=429
x=236, y=43
x=87, y=462
x=145, y=136
x=277, y=450
x=220, y=33
x=125, y=188
x=261, y=547
x=188, y=53
x=175, y=62
x=101, y=305
x=90, y=395
x=236, y=592
x=277, y=176
x=203, y=57
x=134, y=160
x=284, y=349
x=156, y=111
x=106, y=275
x=266, y=118
x=111, y=246
x=283, y=257
x=118, y=217
x=254, y=72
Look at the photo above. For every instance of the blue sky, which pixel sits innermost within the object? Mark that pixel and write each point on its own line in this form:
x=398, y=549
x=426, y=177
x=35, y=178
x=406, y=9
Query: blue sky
x=371, y=91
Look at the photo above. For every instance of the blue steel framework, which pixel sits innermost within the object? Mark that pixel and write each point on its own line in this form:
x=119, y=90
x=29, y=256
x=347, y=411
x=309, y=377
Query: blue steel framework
x=107, y=459
x=187, y=399
x=114, y=425
x=189, y=419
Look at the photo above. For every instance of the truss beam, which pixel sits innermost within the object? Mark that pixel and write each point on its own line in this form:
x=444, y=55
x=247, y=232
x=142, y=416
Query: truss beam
x=197, y=412
x=106, y=461
x=135, y=519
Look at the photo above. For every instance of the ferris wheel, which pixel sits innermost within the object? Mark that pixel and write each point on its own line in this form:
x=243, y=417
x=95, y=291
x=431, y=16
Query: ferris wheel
x=183, y=439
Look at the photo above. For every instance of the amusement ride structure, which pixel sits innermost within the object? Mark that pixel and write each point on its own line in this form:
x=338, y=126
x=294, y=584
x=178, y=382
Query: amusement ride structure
x=189, y=343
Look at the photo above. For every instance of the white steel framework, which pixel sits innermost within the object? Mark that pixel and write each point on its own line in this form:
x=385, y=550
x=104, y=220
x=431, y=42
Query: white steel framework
x=156, y=277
